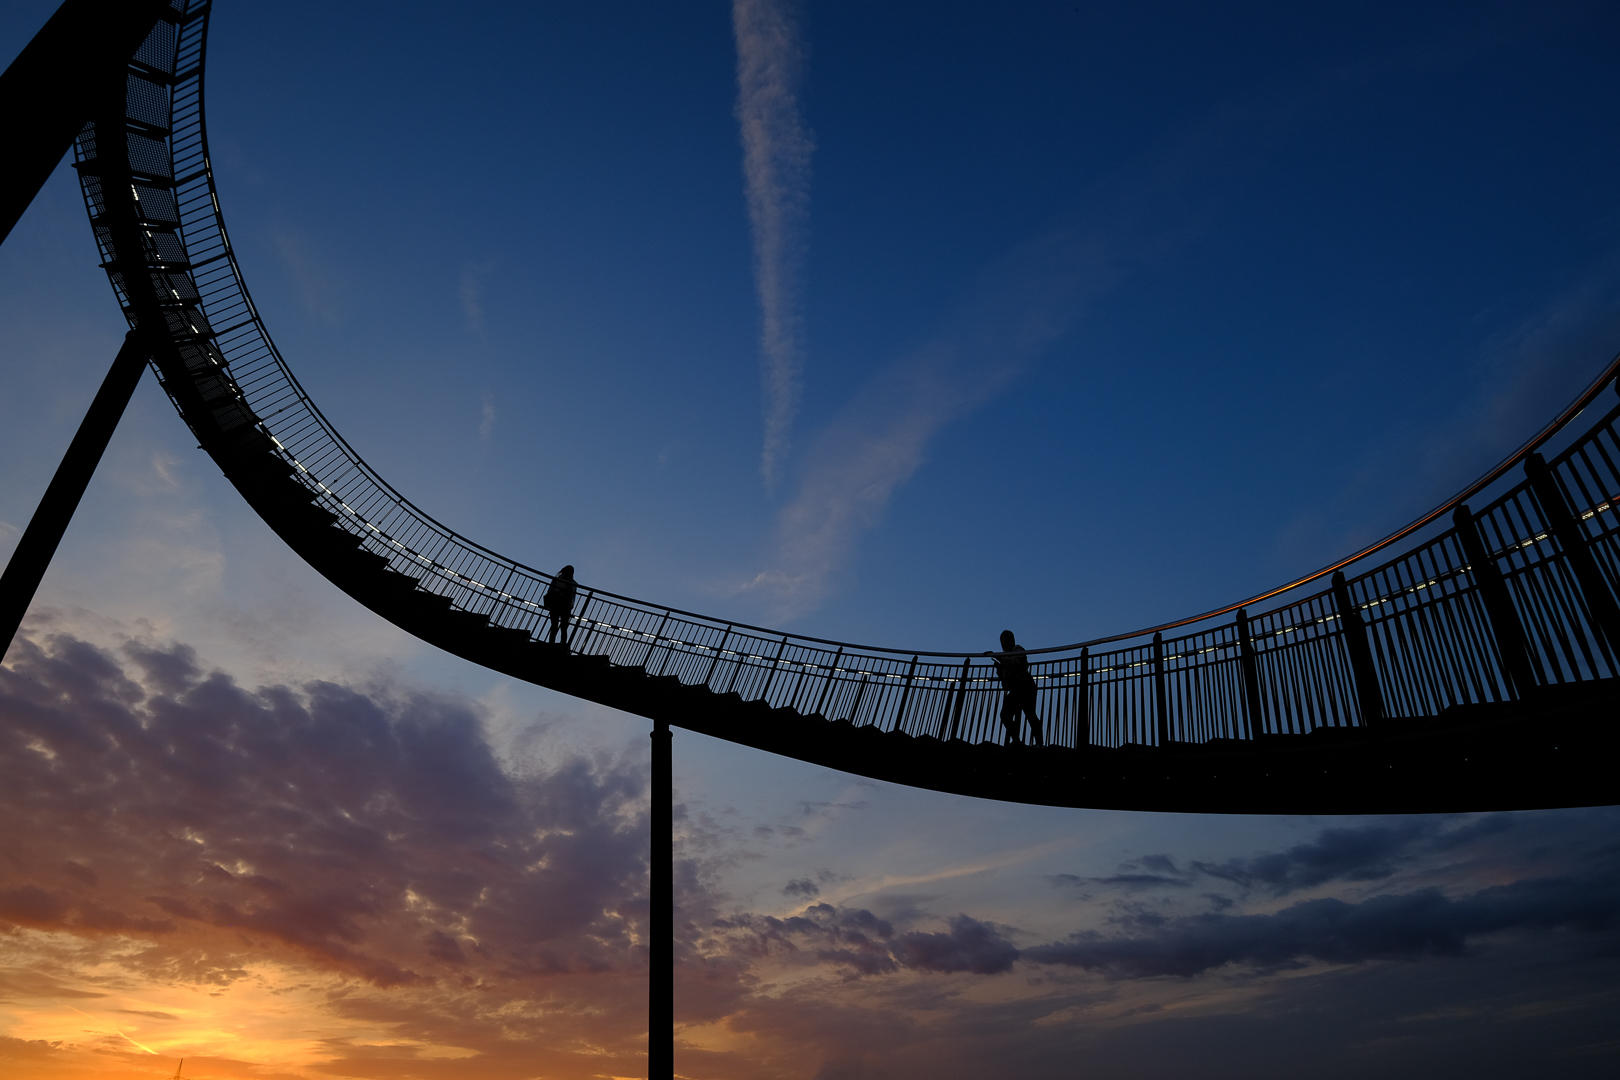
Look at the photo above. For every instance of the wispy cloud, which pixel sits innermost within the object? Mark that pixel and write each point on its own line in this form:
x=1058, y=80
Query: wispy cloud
x=1022, y=303
x=320, y=283
x=486, y=422
x=776, y=167
x=471, y=293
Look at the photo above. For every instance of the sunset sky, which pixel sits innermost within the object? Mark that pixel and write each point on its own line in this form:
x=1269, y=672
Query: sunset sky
x=901, y=324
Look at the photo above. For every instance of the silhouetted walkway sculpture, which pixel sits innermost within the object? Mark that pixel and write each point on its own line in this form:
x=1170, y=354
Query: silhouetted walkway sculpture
x=559, y=604
x=1466, y=662
x=1012, y=664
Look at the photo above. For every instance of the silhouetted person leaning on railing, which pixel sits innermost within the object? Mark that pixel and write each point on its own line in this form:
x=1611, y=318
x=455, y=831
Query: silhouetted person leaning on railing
x=559, y=604
x=1012, y=664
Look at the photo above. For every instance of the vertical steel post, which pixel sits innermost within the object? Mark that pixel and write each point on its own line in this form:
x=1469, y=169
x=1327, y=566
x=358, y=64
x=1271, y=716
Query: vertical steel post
x=821, y=702
x=1082, y=727
x=45, y=529
x=1251, y=674
x=1161, y=705
x=1561, y=522
x=776, y=662
x=575, y=622
x=661, y=910
x=1504, y=619
x=855, y=709
x=1369, y=698
x=653, y=644
x=905, y=696
x=961, y=699
x=718, y=653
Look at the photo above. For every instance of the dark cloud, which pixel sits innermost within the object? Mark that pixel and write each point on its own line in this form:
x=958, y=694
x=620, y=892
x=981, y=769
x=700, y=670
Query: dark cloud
x=371, y=833
x=969, y=945
x=862, y=944
x=1407, y=926
x=1368, y=853
x=802, y=887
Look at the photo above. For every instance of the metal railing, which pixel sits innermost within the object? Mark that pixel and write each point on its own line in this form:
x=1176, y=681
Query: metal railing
x=1518, y=595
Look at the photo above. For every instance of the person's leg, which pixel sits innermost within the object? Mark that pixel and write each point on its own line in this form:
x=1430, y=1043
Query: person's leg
x=1026, y=705
x=1009, y=720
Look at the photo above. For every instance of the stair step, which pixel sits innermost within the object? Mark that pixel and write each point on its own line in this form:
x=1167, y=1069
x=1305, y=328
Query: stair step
x=393, y=579
x=510, y=635
x=467, y=620
x=432, y=601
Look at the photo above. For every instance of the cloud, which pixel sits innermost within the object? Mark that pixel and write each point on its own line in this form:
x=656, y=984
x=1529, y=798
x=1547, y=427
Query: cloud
x=1405, y=926
x=1524, y=376
x=1022, y=303
x=316, y=278
x=177, y=829
x=776, y=169
x=969, y=945
x=802, y=887
x=486, y=423
x=862, y=944
x=1369, y=853
x=471, y=294
x=190, y=856
x=1364, y=853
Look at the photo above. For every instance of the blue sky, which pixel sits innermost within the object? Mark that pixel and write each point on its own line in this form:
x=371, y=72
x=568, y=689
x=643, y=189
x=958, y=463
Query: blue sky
x=1091, y=317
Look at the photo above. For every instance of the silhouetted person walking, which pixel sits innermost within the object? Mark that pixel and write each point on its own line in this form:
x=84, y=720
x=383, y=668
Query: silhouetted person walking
x=559, y=603
x=1012, y=664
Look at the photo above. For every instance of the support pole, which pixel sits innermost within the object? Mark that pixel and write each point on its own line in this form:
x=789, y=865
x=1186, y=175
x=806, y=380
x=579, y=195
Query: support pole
x=1251, y=676
x=1161, y=704
x=39, y=541
x=1572, y=540
x=1369, y=698
x=1511, y=645
x=1082, y=726
x=661, y=911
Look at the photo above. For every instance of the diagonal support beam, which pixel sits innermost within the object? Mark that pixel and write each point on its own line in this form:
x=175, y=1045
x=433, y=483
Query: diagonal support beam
x=39, y=541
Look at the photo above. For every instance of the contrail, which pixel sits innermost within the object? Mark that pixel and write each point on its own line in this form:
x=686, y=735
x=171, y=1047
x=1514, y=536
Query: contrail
x=776, y=170
x=1022, y=303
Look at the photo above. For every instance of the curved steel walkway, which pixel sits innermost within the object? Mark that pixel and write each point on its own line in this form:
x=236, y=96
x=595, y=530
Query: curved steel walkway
x=1445, y=668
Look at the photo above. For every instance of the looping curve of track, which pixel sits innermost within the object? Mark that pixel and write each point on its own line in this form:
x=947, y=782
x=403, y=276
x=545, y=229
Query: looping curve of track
x=1469, y=670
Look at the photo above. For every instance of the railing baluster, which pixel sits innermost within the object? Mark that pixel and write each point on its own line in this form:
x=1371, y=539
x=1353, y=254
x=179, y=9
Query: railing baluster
x=1251, y=676
x=855, y=709
x=717, y=654
x=905, y=696
x=961, y=693
x=765, y=694
x=1082, y=713
x=1160, y=706
x=826, y=689
x=653, y=644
